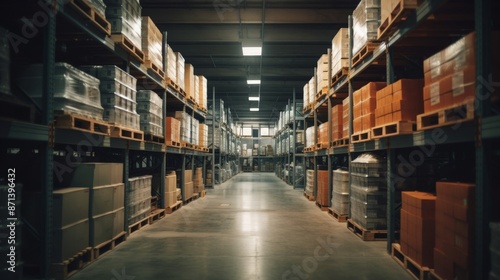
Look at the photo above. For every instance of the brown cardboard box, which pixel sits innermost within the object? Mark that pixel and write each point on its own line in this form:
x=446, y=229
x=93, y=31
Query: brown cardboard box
x=188, y=176
x=379, y=120
x=322, y=194
x=443, y=265
x=172, y=129
x=93, y=174
x=368, y=106
x=69, y=240
x=170, y=198
x=189, y=85
x=356, y=123
x=70, y=205
x=170, y=182
x=388, y=118
x=368, y=121
x=188, y=188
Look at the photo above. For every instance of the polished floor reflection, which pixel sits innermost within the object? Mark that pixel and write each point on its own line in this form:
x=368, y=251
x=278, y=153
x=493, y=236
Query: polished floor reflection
x=252, y=227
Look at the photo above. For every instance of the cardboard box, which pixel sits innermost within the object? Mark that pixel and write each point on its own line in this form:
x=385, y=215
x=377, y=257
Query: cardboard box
x=357, y=127
x=188, y=176
x=170, y=198
x=368, y=122
x=368, y=106
x=107, y=198
x=171, y=182
x=70, y=240
x=379, y=120
x=388, y=118
x=102, y=227
x=172, y=129
x=188, y=188
x=443, y=265
x=356, y=95
x=118, y=221
x=420, y=204
x=93, y=174
x=70, y=205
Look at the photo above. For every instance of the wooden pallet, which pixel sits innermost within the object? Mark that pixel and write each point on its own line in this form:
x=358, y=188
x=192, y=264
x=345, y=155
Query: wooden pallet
x=418, y=272
x=155, y=68
x=391, y=129
x=309, y=197
x=182, y=92
x=84, y=8
x=308, y=108
x=128, y=46
x=173, y=144
x=321, y=146
x=203, y=149
x=172, y=84
x=138, y=225
x=81, y=123
x=191, y=100
x=321, y=207
x=309, y=149
x=361, y=136
x=321, y=93
x=340, y=142
x=72, y=265
x=434, y=276
x=400, y=13
x=447, y=116
x=364, y=52
x=192, y=198
x=118, y=131
x=13, y=109
x=343, y=72
x=188, y=145
x=154, y=139
x=156, y=215
x=175, y=207
x=341, y=218
x=364, y=234
x=107, y=246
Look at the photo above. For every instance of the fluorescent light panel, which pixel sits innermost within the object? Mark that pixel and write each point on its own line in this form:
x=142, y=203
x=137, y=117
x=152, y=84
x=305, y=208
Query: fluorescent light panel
x=253, y=82
x=254, y=109
x=252, y=51
x=253, y=98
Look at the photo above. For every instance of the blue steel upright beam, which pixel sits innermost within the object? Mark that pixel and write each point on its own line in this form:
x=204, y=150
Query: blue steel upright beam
x=391, y=160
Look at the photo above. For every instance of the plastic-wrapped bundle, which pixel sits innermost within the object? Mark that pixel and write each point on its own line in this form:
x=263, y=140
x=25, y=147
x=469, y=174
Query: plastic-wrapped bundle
x=74, y=91
x=125, y=18
x=4, y=62
x=340, y=191
x=113, y=73
x=366, y=20
x=310, y=179
x=322, y=73
x=120, y=116
x=218, y=111
x=185, y=120
x=340, y=50
x=152, y=41
x=312, y=90
x=99, y=6
x=170, y=63
x=180, y=70
x=139, y=198
x=310, y=141
x=306, y=95
x=203, y=89
x=150, y=108
x=195, y=129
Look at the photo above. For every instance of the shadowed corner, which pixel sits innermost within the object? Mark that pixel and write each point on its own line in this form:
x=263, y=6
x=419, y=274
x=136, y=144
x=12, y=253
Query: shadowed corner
x=121, y=275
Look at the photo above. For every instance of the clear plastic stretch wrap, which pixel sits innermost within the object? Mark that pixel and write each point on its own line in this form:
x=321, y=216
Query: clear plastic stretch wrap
x=125, y=18
x=99, y=6
x=74, y=91
x=139, y=198
x=312, y=90
x=4, y=62
x=310, y=179
x=195, y=130
x=185, y=120
x=366, y=20
x=310, y=140
x=150, y=108
x=305, y=92
x=202, y=83
x=340, y=50
x=118, y=94
x=152, y=41
x=369, y=191
x=340, y=191
x=322, y=72
x=170, y=65
x=180, y=70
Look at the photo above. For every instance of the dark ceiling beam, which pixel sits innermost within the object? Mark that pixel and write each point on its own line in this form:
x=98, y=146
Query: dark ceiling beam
x=216, y=14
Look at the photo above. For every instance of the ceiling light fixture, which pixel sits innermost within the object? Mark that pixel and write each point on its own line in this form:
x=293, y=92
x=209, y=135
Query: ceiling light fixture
x=254, y=109
x=254, y=98
x=251, y=47
x=253, y=82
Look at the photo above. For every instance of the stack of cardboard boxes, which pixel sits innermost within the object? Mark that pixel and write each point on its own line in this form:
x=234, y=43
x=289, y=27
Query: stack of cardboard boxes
x=170, y=189
x=189, y=82
x=364, y=107
x=322, y=73
x=337, y=122
x=418, y=227
x=188, y=184
x=305, y=94
x=400, y=101
x=345, y=118
x=340, y=50
x=170, y=63
x=322, y=195
x=198, y=185
x=152, y=41
x=323, y=133
x=172, y=130
x=310, y=178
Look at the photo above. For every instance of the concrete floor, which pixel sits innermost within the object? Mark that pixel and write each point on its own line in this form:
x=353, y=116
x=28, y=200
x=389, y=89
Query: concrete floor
x=254, y=226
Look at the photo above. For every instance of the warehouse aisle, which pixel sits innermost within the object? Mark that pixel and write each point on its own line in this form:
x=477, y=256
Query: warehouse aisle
x=252, y=227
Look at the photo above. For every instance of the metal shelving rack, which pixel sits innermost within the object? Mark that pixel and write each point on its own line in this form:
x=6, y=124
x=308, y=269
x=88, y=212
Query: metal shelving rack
x=483, y=132
x=137, y=157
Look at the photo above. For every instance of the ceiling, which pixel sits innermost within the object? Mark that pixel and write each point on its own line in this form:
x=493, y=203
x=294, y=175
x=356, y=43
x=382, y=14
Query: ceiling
x=209, y=33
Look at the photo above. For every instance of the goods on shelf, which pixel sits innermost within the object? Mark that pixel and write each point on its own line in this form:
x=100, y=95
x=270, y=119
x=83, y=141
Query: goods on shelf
x=218, y=113
x=74, y=91
x=400, y=101
x=450, y=75
x=125, y=18
x=345, y=118
x=366, y=20
x=495, y=250
x=71, y=223
x=99, y=6
x=172, y=130
x=203, y=135
x=185, y=119
x=322, y=74
x=368, y=192
x=322, y=193
x=418, y=227
x=195, y=130
x=340, y=192
x=312, y=90
x=138, y=198
x=305, y=93
x=364, y=106
x=336, y=122
x=310, y=140
x=170, y=63
x=455, y=226
x=118, y=94
x=189, y=84
x=340, y=50
x=4, y=62
x=150, y=109
x=198, y=185
x=170, y=189
x=322, y=138
x=152, y=41
x=310, y=181
x=180, y=70
x=203, y=87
